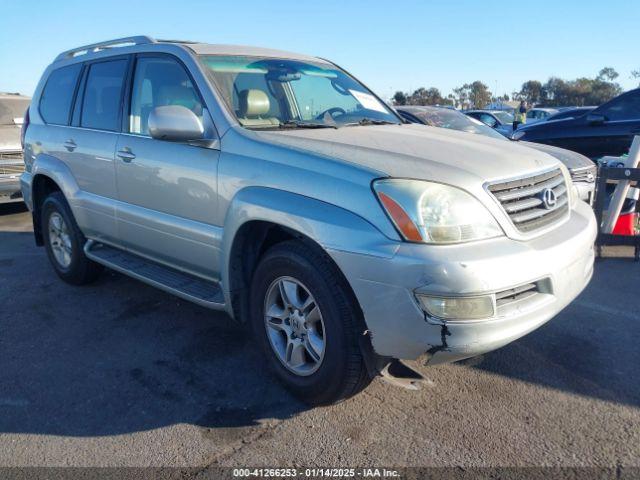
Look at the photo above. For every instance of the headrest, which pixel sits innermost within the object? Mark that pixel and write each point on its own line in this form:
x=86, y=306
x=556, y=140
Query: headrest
x=253, y=103
x=178, y=95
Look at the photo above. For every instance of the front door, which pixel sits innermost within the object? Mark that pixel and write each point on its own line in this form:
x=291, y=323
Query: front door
x=167, y=190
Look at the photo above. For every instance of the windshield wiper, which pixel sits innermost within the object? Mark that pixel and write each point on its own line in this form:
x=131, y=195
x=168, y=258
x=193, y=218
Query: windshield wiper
x=370, y=121
x=299, y=124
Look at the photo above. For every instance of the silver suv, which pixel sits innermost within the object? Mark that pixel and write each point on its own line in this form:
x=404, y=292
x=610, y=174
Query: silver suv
x=278, y=188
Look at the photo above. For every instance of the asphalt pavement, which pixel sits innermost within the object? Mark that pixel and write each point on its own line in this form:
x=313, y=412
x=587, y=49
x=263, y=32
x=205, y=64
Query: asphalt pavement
x=120, y=374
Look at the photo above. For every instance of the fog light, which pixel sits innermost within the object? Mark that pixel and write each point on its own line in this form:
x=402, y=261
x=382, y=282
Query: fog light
x=458, y=308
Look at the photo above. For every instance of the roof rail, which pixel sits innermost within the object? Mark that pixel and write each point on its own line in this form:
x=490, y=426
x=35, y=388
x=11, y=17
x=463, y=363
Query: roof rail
x=96, y=47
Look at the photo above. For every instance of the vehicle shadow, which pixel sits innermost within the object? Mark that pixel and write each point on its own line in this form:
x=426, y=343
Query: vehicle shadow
x=13, y=208
x=118, y=356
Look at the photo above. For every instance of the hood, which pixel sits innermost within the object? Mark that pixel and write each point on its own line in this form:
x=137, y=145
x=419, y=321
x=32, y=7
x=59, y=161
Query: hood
x=10, y=138
x=417, y=151
x=569, y=158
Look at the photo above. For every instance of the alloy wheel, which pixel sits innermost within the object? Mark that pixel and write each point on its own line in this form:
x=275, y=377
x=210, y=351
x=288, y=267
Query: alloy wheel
x=294, y=325
x=60, y=240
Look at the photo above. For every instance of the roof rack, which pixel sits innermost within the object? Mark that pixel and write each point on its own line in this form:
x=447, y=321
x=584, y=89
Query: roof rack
x=96, y=47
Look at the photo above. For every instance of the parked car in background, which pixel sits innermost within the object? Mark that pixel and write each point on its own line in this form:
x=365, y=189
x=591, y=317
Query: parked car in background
x=278, y=188
x=537, y=114
x=572, y=112
x=501, y=121
x=583, y=171
x=12, y=109
x=607, y=130
x=444, y=118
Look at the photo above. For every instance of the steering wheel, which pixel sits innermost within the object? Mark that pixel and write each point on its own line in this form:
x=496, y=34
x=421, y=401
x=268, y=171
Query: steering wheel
x=331, y=111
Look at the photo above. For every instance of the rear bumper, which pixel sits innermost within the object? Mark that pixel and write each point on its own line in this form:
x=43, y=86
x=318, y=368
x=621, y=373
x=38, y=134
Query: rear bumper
x=386, y=288
x=25, y=186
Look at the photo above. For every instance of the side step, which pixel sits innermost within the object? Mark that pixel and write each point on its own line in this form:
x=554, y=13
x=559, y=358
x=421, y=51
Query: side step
x=205, y=293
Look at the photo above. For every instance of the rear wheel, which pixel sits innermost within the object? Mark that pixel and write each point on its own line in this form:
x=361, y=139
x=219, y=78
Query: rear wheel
x=64, y=242
x=303, y=316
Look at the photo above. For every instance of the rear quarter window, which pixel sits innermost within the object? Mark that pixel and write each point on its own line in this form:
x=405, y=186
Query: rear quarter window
x=57, y=96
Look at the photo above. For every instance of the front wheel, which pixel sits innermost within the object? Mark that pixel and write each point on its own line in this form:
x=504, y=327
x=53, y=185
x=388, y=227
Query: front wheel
x=305, y=320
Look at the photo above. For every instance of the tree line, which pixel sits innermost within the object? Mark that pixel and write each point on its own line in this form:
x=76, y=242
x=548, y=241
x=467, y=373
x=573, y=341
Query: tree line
x=555, y=92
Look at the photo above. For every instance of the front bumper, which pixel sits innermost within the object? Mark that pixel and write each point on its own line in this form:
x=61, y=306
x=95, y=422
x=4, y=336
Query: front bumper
x=10, y=189
x=586, y=191
x=385, y=287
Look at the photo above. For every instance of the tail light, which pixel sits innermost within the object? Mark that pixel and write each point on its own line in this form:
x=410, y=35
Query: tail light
x=25, y=125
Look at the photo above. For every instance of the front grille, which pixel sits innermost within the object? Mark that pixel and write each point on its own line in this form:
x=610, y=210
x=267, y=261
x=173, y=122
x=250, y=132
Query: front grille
x=11, y=156
x=11, y=163
x=523, y=200
x=584, y=174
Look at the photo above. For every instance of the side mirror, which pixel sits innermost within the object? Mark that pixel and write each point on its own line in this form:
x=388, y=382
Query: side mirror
x=596, y=119
x=175, y=123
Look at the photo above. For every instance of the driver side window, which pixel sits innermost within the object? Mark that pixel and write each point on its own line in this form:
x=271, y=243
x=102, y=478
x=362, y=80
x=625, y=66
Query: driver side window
x=626, y=107
x=160, y=81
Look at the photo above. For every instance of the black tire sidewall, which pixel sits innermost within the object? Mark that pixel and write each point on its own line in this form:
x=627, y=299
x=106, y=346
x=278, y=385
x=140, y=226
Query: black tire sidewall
x=56, y=203
x=330, y=377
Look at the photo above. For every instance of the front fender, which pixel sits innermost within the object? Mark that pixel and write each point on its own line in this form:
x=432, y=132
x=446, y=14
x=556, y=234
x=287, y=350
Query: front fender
x=332, y=228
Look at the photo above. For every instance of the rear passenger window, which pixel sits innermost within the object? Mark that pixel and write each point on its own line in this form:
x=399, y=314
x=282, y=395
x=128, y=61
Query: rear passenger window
x=103, y=90
x=57, y=96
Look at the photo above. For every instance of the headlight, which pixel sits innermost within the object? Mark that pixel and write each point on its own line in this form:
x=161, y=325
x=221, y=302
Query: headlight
x=572, y=192
x=518, y=134
x=434, y=213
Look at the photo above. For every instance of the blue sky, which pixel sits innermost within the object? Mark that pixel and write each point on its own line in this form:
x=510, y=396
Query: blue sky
x=389, y=45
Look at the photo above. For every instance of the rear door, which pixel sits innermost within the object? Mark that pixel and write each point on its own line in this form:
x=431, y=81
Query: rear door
x=167, y=190
x=91, y=145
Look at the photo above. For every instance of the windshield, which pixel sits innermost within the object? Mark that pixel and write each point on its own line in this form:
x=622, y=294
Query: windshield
x=274, y=93
x=445, y=118
x=12, y=110
x=504, y=117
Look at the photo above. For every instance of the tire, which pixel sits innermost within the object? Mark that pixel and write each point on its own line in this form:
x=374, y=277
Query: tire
x=340, y=372
x=64, y=242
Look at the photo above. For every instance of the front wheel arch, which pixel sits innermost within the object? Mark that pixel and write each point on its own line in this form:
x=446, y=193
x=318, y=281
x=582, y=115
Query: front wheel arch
x=252, y=241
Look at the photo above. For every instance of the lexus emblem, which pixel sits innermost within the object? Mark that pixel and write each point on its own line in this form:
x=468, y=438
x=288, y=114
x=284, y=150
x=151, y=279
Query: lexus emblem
x=549, y=199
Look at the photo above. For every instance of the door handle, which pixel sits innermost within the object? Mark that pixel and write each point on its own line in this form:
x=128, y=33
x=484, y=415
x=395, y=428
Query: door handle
x=70, y=145
x=126, y=155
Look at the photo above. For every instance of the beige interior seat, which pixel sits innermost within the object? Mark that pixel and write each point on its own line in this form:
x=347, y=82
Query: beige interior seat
x=254, y=109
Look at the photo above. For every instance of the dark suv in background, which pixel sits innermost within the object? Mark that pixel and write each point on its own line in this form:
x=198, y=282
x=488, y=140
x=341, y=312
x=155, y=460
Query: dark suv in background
x=12, y=109
x=607, y=130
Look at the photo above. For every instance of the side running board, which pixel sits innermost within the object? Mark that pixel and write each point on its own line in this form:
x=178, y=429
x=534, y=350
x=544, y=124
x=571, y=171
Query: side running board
x=189, y=287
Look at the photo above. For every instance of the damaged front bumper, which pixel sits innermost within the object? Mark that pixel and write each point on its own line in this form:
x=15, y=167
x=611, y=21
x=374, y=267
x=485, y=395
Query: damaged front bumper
x=530, y=282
